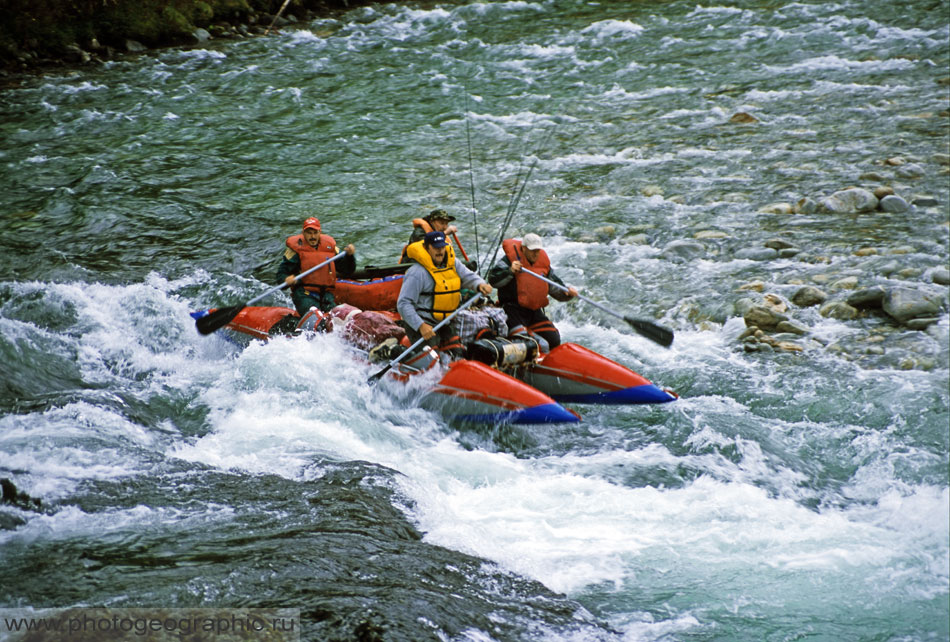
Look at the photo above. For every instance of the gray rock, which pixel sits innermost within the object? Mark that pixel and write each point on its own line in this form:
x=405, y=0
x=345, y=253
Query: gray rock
x=894, y=204
x=806, y=206
x=791, y=326
x=904, y=304
x=867, y=298
x=873, y=176
x=684, y=250
x=778, y=244
x=762, y=316
x=848, y=201
x=910, y=170
x=201, y=35
x=921, y=323
x=134, y=46
x=941, y=276
x=744, y=305
x=757, y=254
x=9, y=522
x=838, y=310
x=808, y=295
x=925, y=201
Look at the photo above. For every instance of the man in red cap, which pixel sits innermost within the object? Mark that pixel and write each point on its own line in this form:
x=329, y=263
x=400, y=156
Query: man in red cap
x=303, y=252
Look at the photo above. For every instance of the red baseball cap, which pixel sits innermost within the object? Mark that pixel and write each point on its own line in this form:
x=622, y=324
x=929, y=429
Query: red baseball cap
x=312, y=223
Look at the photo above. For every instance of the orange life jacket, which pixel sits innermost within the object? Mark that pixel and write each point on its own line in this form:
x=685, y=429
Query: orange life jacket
x=532, y=292
x=325, y=277
x=416, y=222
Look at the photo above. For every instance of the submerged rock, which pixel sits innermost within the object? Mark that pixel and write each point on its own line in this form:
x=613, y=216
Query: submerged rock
x=757, y=254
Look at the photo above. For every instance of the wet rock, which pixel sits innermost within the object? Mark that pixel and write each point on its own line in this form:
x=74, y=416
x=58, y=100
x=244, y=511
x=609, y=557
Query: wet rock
x=763, y=316
x=921, y=323
x=874, y=177
x=710, y=234
x=201, y=35
x=838, y=310
x=941, y=276
x=605, y=233
x=754, y=286
x=788, y=346
x=14, y=497
x=910, y=170
x=808, y=295
x=778, y=244
x=895, y=161
x=849, y=201
x=941, y=159
x=10, y=522
x=904, y=304
x=777, y=208
x=883, y=191
x=652, y=190
x=806, y=206
x=847, y=283
x=894, y=204
x=791, y=326
x=743, y=118
x=757, y=254
x=775, y=302
x=867, y=298
x=638, y=238
x=866, y=251
x=684, y=249
x=789, y=252
x=134, y=46
x=925, y=201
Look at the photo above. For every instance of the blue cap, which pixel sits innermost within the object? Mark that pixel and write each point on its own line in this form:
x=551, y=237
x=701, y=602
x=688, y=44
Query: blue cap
x=435, y=239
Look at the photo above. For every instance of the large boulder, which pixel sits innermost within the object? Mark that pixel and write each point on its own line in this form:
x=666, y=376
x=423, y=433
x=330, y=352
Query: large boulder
x=904, y=304
x=849, y=201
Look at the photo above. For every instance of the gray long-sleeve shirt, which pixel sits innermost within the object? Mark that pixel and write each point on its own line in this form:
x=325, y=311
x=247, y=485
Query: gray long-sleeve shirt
x=418, y=280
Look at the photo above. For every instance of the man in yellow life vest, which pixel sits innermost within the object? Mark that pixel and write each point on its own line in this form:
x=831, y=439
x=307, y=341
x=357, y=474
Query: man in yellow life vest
x=303, y=252
x=524, y=297
x=432, y=290
x=434, y=221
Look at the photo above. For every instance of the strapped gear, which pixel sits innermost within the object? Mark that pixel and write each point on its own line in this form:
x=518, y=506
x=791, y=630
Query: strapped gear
x=447, y=284
x=532, y=292
x=324, y=278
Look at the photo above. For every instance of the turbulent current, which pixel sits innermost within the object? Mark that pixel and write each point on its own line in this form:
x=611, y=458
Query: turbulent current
x=681, y=159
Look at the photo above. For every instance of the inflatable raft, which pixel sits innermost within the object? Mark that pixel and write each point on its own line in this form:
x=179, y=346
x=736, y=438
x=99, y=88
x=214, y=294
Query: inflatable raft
x=489, y=387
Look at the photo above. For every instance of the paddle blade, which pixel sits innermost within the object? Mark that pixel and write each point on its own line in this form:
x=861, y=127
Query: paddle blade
x=379, y=375
x=652, y=331
x=217, y=319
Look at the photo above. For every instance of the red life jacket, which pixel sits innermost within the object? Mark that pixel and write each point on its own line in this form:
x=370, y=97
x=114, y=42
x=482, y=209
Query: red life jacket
x=309, y=256
x=532, y=292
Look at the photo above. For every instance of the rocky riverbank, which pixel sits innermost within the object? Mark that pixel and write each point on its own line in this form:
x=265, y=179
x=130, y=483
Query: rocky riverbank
x=38, y=36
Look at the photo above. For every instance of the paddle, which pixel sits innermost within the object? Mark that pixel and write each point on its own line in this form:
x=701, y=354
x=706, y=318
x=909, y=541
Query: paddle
x=376, y=377
x=223, y=316
x=459, y=243
x=652, y=331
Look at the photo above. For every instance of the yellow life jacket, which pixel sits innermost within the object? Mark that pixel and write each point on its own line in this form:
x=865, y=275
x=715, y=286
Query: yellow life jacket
x=447, y=288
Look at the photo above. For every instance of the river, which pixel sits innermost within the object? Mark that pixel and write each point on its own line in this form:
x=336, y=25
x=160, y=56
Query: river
x=787, y=494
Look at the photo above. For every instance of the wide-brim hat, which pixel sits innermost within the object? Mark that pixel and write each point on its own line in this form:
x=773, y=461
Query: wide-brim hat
x=440, y=215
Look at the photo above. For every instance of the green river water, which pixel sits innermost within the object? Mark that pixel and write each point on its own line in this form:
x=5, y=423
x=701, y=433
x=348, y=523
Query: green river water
x=785, y=495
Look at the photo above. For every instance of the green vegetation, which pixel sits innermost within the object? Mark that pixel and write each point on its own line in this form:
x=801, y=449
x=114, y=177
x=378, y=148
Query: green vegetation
x=36, y=31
